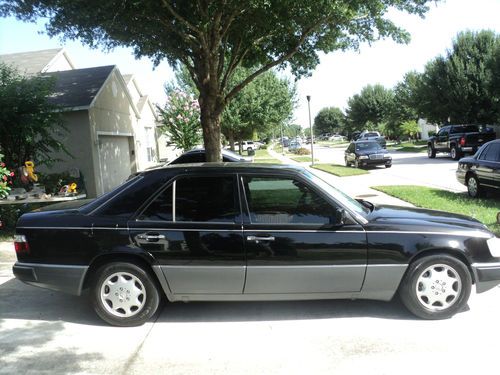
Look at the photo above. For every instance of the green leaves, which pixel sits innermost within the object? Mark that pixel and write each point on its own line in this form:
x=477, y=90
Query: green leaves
x=329, y=120
x=30, y=127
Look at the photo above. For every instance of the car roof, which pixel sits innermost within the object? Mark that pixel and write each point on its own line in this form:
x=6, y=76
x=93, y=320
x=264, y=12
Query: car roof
x=229, y=167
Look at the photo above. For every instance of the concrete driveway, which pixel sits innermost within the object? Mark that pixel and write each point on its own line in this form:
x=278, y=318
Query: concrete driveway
x=43, y=332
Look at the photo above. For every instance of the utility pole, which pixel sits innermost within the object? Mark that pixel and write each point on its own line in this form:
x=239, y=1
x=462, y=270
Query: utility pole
x=310, y=129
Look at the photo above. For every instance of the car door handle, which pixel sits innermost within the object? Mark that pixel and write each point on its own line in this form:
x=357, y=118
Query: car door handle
x=151, y=237
x=257, y=239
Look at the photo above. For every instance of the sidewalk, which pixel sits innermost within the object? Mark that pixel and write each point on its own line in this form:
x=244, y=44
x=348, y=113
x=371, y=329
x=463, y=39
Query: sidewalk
x=352, y=186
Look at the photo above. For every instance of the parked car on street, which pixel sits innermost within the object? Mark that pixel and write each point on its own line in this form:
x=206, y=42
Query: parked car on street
x=247, y=145
x=458, y=140
x=198, y=156
x=336, y=138
x=294, y=145
x=481, y=172
x=372, y=136
x=247, y=232
x=366, y=153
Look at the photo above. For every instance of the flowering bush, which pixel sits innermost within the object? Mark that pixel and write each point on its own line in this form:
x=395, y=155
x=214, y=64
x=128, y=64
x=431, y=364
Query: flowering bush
x=5, y=179
x=181, y=120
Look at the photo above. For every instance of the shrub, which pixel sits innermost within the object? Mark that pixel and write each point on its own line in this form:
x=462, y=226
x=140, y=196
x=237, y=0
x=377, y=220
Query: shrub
x=302, y=151
x=5, y=179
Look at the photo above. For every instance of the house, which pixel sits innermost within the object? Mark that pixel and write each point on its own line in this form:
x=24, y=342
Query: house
x=111, y=122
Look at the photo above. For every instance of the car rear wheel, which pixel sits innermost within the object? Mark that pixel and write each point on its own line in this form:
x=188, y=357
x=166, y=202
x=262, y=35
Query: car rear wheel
x=455, y=153
x=431, y=152
x=124, y=294
x=436, y=287
x=473, y=187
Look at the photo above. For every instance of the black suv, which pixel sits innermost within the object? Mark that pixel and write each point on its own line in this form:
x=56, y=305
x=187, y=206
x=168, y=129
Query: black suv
x=481, y=172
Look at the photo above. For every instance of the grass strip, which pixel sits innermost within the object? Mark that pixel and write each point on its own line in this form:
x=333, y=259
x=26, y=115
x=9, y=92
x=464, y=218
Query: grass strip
x=339, y=170
x=484, y=210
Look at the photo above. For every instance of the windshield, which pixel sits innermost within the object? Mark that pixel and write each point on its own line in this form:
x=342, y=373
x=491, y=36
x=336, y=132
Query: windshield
x=341, y=197
x=367, y=146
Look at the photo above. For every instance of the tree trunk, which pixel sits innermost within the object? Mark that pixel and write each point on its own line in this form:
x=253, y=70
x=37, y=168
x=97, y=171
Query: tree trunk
x=240, y=142
x=231, y=140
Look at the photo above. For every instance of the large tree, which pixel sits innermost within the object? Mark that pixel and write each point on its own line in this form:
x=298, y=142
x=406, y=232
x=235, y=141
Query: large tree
x=329, y=120
x=460, y=86
x=212, y=38
x=371, y=107
x=31, y=128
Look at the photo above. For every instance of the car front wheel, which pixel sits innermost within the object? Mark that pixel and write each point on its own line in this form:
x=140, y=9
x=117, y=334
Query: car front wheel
x=124, y=294
x=436, y=287
x=431, y=152
x=347, y=164
x=473, y=187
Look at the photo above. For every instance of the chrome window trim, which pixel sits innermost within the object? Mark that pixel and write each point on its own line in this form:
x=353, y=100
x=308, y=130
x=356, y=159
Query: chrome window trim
x=174, y=191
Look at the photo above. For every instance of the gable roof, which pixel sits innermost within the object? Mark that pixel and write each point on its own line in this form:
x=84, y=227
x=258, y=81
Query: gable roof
x=78, y=88
x=32, y=62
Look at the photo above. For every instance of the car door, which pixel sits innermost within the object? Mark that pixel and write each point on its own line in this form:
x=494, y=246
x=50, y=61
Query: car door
x=442, y=139
x=488, y=166
x=294, y=240
x=193, y=230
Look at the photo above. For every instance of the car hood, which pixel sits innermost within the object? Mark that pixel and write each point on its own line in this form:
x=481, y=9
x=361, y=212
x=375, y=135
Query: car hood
x=409, y=218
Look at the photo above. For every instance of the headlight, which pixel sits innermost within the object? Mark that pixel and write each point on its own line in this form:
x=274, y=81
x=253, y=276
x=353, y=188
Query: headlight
x=494, y=246
x=363, y=157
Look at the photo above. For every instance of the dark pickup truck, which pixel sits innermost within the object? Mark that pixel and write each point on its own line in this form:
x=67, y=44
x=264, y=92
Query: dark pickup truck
x=458, y=140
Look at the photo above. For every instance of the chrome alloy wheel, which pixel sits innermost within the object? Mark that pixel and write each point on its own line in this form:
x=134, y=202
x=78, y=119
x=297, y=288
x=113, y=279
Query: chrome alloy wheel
x=123, y=294
x=438, y=287
x=472, y=186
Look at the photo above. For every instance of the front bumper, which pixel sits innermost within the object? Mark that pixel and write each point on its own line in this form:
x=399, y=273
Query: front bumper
x=460, y=174
x=58, y=277
x=363, y=162
x=486, y=275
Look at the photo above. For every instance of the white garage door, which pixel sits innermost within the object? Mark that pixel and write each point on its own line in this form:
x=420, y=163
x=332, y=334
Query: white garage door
x=114, y=157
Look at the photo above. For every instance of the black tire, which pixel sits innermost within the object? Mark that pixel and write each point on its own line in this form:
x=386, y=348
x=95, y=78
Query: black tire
x=455, y=153
x=451, y=269
x=474, y=188
x=141, y=282
x=431, y=152
x=388, y=165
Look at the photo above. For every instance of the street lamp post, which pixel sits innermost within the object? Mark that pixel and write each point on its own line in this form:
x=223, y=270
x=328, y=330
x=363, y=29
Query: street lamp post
x=310, y=128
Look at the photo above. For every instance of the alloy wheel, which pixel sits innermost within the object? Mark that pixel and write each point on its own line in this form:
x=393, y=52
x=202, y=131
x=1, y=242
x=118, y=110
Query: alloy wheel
x=472, y=186
x=438, y=287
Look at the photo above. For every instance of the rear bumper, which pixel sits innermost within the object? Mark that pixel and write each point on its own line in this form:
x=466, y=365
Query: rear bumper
x=61, y=278
x=487, y=275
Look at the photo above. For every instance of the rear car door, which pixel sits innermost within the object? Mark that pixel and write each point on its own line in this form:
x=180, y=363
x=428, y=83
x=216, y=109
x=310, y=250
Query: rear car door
x=294, y=241
x=193, y=230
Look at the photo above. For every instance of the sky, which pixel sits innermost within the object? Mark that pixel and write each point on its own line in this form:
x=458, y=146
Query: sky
x=339, y=75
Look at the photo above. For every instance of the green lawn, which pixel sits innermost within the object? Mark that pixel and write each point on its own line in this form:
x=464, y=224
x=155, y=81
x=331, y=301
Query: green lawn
x=262, y=156
x=340, y=170
x=408, y=147
x=484, y=210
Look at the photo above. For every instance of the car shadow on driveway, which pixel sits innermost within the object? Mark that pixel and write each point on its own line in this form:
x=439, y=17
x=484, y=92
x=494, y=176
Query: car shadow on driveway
x=21, y=301
x=282, y=310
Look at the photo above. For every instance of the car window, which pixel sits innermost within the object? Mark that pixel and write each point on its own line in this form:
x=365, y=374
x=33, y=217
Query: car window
x=464, y=129
x=283, y=200
x=443, y=132
x=197, y=199
x=491, y=153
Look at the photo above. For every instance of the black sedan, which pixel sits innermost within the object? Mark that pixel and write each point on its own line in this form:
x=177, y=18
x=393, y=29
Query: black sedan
x=198, y=156
x=247, y=232
x=365, y=153
x=481, y=172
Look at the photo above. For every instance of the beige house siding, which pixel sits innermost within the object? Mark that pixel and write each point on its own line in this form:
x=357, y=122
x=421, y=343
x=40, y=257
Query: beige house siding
x=76, y=141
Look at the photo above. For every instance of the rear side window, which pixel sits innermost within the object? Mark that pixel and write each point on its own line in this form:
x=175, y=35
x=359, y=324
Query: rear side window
x=196, y=199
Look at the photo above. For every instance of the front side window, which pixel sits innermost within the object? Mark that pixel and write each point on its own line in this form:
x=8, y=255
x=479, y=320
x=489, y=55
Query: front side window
x=196, y=199
x=283, y=200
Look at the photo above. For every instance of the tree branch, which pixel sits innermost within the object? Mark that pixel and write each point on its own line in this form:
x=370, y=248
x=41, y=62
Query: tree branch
x=184, y=21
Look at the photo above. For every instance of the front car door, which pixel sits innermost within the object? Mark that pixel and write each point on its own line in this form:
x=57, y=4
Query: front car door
x=295, y=243
x=488, y=166
x=442, y=138
x=193, y=230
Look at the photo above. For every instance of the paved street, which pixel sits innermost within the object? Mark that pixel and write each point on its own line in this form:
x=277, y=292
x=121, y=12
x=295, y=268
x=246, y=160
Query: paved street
x=43, y=332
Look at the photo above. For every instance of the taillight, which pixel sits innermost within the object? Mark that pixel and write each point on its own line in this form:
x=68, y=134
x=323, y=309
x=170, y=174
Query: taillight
x=462, y=141
x=21, y=244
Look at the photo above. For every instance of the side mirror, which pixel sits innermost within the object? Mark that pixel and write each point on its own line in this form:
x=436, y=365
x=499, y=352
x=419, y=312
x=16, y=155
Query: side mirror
x=339, y=216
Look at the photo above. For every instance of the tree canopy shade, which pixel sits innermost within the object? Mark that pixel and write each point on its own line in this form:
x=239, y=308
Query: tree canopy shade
x=213, y=38
x=30, y=127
